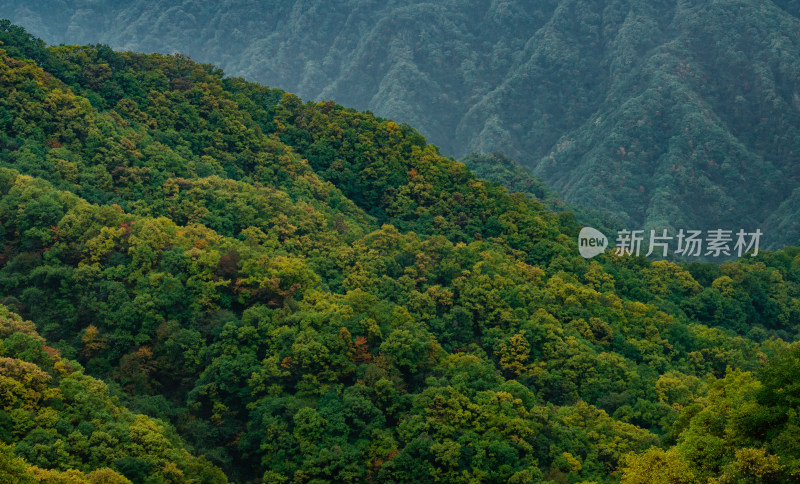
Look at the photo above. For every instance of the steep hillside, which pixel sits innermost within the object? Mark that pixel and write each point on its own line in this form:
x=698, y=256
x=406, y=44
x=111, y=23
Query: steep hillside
x=67, y=427
x=516, y=178
x=663, y=113
x=307, y=293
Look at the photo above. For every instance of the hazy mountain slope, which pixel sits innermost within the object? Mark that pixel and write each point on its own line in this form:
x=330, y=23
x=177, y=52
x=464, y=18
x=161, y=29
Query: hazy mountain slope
x=405, y=60
x=517, y=179
x=664, y=113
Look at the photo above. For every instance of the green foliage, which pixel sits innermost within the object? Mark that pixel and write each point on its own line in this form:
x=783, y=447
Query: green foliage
x=658, y=112
x=66, y=426
x=744, y=430
x=300, y=292
x=504, y=171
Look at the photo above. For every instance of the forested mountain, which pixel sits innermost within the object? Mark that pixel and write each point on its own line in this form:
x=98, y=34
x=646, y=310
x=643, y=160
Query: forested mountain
x=669, y=114
x=300, y=292
x=501, y=169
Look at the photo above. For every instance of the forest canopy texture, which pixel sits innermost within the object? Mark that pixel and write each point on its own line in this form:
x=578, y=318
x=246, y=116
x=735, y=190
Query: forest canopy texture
x=207, y=280
x=669, y=114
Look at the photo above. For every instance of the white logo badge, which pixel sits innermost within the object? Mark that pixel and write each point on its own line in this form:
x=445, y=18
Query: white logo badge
x=591, y=242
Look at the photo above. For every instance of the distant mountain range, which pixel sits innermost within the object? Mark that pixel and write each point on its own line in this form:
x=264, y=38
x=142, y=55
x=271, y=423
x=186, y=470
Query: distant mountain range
x=668, y=114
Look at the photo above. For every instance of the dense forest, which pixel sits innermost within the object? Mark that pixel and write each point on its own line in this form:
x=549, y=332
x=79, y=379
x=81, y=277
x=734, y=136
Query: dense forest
x=660, y=112
x=207, y=280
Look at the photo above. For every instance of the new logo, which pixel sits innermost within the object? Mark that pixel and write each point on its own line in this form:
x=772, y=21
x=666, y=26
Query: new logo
x=591, y=242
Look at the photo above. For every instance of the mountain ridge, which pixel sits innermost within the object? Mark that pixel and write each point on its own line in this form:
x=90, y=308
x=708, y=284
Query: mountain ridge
x=659, y=113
